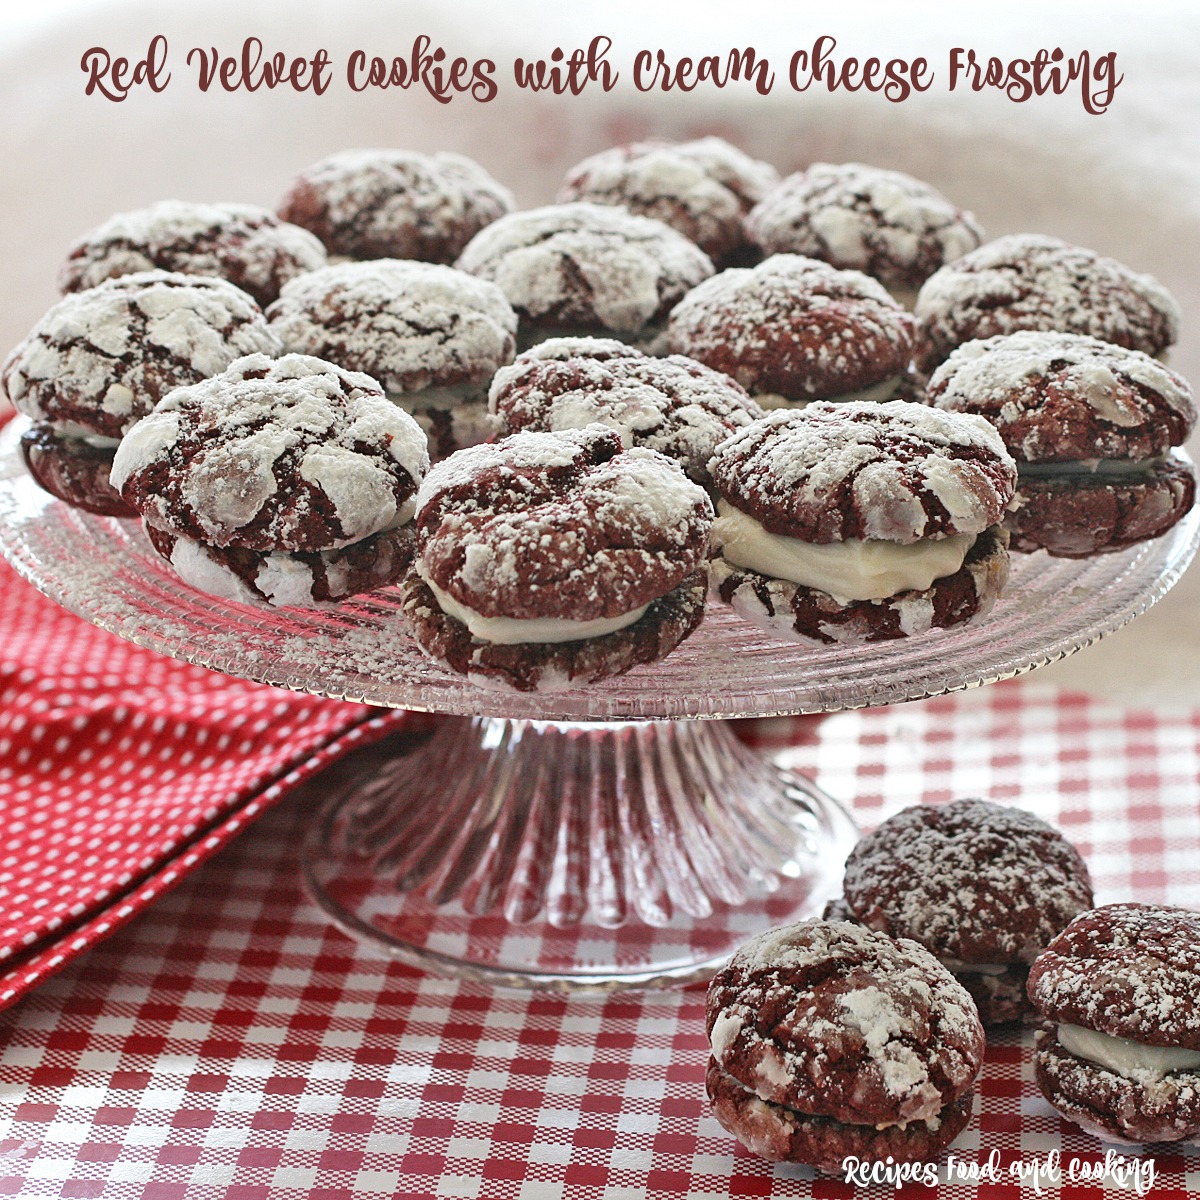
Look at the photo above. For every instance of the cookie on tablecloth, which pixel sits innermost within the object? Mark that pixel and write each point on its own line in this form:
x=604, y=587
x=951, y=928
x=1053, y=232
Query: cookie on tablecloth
x=553, y=560
x=861, y=522
x=830, y=1040
x=982, y=886
x=1120, y=991
x=102, y=358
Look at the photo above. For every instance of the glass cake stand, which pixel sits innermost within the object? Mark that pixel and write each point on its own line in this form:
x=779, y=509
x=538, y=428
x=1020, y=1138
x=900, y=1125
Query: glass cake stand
x=599, y=837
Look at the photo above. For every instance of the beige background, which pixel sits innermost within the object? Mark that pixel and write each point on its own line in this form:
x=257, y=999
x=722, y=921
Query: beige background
x=1126, y=183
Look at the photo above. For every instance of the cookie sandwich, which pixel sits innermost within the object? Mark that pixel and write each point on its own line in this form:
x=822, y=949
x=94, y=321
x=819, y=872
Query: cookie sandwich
x=861, y=522
x=830, y=1040
x=395, y=203
x=1119, y=989
x=284, y=481
x=674, y=405
x=587, y=270
x=102, y=358
x=431, y=335
x=553, y=560
x=983, y=887
x=1092, y=427
x=792, y=330
x=853, y=216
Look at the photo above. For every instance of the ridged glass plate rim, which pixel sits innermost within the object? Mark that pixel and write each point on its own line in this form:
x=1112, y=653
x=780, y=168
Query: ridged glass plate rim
x=105, y=571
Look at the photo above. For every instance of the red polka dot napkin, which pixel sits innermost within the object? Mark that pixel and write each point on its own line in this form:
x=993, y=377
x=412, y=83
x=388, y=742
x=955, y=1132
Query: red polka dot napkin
x=122, y=770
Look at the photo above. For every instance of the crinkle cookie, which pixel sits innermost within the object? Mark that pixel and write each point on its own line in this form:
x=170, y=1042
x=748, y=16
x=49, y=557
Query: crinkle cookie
x=884, y=223
x=395, y=203
x=587, y=270
x=552, y=560
x=793, y=329
x=1120, y=991
x=704, y=188
x=290, y=454
x=831, y=1040
x=249, y=246
x=433, y=336
x=101, y=359
x=1029, y=281
x=981, y=886
x=1091, y=426
x=860, y=522
x=674, y=405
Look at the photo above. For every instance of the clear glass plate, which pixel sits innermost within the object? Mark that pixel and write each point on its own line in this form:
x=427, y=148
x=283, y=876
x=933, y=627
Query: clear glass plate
x=106, y=571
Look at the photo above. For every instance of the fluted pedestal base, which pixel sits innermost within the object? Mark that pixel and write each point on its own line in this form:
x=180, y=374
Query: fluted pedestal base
x=599, y=855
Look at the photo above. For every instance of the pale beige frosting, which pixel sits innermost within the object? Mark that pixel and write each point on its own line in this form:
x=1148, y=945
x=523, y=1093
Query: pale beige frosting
x=1125, y=1056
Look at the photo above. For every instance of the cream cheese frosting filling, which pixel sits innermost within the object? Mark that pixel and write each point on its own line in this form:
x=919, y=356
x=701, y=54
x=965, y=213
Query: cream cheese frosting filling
x=68, y=429
x=1125, y=1056
x=850, y=570
x=885, y=389
x=513, y=631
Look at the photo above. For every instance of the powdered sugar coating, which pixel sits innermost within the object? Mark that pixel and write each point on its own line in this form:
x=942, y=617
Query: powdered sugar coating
x=1029, y=281
x=970, y=880
x=703, y=188
x=895, y=472
x=1128, y=970
x=674, y=405
x=586, y=265
x=247, y=245
x=834, y=1020
x=559, y=525
x=101, y=359
x=885, y=223
x=796, y=327
x=410, y=325
x=395, y=203
x=1057, y=397
x=288, y=454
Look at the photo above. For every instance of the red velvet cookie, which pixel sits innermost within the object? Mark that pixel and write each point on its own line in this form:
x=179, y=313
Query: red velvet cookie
x=101, y=359
x=290, y=454
x=794, y=329
x=1120, y=990
x=1028, y=281
x=703, y=188
x=433, y=336
x=674, y=405
x=983, y=887
x=556, y=559
x=829, y=1039
x=587, y=269
x=248, y=246
x=292, y=580
x=395, y=203
x=1090, y=425
x=817, y=508
x=884, y=223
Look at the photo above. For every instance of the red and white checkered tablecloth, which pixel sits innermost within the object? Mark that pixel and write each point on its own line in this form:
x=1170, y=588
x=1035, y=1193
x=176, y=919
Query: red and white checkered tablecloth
x=228, y=1042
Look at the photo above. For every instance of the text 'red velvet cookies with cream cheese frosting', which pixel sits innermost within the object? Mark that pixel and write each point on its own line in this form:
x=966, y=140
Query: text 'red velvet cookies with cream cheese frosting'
x=861, y=522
